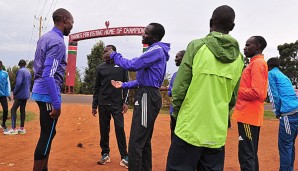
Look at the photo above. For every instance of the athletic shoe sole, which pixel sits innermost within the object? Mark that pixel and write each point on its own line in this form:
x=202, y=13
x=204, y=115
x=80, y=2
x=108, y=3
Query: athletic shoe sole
x=104, y=162
x=123, y=164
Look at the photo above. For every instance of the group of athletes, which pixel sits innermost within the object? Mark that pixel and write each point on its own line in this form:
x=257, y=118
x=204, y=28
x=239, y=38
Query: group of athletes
x=211, y=74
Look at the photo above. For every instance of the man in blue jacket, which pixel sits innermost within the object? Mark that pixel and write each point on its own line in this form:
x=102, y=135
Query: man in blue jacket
x=151, y=70
x=21, y=93
x=49, y=69
x=4, y=94
x=285, y=106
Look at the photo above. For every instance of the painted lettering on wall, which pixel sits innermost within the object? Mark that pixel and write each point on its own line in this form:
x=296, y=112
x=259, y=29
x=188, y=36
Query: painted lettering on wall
x=117, y=31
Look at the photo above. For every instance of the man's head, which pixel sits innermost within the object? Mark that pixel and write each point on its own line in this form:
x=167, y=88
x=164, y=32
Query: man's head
x=272, y=63
x=222, y=19
x=63, y=20
x=179, y=57
x=106, y=56
x=22, y=63
x=153, y=33
x=254, y=45
x=1, y=65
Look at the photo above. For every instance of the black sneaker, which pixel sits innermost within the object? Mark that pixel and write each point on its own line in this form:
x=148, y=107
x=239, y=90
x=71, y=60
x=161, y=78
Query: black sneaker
x=104, y=159
x=124, y=162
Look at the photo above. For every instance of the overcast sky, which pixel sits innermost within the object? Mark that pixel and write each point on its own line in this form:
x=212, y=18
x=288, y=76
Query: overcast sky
x=184, y=21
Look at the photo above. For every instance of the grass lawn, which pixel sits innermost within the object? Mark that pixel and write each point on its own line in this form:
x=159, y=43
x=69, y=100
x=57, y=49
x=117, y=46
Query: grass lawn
x=29, y=117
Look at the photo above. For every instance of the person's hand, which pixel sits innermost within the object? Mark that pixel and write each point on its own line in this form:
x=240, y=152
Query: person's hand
x=9, y=98
x=116, y=84
x=124, y=108
x=163, y=88
x=94, y=112
x=55, y=113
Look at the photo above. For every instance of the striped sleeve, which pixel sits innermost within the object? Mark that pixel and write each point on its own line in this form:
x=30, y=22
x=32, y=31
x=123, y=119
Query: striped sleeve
x=53, y=59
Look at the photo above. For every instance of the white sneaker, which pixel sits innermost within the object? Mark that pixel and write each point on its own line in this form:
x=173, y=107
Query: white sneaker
x=11, y=132
x=21, y=131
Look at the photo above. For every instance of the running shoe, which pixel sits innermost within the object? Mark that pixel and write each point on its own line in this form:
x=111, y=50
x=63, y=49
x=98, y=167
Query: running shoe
x=124, y=162
x=11, y=132
x=104, y=159
x=22, y=131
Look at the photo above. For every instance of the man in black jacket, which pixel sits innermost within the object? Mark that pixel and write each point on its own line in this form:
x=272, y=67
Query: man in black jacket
x=110, y=102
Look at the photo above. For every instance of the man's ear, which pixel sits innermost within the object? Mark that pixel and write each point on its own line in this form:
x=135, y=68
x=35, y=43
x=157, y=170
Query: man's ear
x=210, y=23
x=232, y=26
x=64, y=19
x=258, y=46
x=156, y=38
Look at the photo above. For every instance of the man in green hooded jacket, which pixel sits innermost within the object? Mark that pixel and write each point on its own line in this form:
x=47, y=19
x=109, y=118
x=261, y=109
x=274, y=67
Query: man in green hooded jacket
x=203, y=88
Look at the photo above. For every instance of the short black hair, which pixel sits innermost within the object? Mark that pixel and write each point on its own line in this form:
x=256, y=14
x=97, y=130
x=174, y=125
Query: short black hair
x=261, y=41
x=0, y=62
x=273, y=62
x=224, y=17
x=158, y=30
x=22, y=62
x=60, y=15
x=182, y=52
x=113, y=47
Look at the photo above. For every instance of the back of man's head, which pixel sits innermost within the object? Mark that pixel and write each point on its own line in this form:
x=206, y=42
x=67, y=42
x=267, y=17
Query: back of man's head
x=261, y=42
x=273, y=62
x=22, y=63
x=222, y=19
x=182, y=52
x=60, y=14
x=112, y=47
x=158, y=30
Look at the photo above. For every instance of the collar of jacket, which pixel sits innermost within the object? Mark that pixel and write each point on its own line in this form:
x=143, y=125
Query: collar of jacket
x=258, y=56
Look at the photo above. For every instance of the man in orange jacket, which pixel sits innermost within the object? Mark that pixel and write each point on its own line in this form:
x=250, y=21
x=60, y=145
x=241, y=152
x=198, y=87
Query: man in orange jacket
x=249, y=109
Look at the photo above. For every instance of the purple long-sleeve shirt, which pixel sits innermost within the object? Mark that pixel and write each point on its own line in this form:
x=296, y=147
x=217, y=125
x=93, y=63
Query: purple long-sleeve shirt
x=151, y=66
x=49, y=66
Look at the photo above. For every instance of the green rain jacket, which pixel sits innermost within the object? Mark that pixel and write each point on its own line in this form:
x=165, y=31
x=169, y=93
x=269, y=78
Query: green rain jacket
x=206, y=79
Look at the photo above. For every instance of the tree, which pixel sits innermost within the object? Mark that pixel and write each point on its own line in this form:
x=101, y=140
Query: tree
x=166, y=100
x=288, y=60
x=12, y=72
x=94, y=59
x=78, y=82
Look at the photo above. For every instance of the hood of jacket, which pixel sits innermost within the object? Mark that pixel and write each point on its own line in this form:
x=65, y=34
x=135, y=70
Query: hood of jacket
x=165, y=47
x=223, y=46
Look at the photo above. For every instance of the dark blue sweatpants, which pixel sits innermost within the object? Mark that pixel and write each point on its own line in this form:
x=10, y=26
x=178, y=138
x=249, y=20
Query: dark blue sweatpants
x=288, y=126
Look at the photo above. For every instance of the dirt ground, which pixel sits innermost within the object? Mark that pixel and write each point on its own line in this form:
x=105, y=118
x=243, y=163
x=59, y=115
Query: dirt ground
x=77, y=125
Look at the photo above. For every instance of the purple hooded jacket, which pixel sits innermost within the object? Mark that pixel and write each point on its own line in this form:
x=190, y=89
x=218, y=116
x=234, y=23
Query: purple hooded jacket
x=151, y=66
x=49, y=66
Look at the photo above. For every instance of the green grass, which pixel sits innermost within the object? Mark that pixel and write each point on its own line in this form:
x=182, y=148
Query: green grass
x=29, y=117
x=269, y=114
x=165, y=110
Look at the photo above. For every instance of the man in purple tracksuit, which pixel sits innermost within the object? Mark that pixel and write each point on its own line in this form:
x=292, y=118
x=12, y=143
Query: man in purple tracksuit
x=151, y=67
x=21, y=93
x=49, y=69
